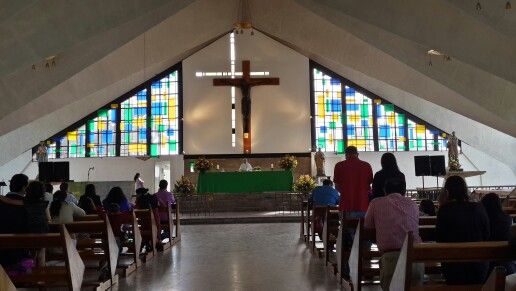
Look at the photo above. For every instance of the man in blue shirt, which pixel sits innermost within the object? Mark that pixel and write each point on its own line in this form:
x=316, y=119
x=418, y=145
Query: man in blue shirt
x=325, y=195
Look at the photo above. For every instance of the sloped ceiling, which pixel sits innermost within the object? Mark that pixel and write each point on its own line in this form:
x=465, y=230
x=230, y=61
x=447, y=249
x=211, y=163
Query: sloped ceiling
x=380, y=45
x=79, y=33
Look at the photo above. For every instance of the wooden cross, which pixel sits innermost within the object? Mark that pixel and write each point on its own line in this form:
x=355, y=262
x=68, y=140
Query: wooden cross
x=245, y=83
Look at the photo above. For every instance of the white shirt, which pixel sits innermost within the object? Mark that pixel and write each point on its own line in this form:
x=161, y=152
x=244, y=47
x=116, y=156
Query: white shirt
x=68, y=212
x=70, y=198
x=138, y=184
x=245, y=167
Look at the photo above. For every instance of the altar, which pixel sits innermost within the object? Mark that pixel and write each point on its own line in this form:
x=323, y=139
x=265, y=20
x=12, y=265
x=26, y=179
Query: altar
x=245, y=182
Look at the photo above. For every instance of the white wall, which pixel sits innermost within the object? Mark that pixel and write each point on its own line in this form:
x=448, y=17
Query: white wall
x=106, y=169
x=280, y=114
x=497, y=173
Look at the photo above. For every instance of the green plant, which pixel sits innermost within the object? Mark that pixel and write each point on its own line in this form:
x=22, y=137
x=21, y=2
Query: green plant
x=288, y=162
x=184, y=187
x=304, y=184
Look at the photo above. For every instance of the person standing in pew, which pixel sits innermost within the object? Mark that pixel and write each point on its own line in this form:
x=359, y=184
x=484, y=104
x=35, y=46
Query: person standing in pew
x=392, y=217
x=165, y=198
x=460, y=220
x=500, y=227
x=389, y=170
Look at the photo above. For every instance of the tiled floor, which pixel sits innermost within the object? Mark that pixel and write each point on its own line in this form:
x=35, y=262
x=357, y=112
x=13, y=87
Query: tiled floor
x=234, y=257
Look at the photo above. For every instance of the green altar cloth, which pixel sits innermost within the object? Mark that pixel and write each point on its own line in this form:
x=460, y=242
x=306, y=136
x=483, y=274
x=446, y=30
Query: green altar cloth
x=245, y=182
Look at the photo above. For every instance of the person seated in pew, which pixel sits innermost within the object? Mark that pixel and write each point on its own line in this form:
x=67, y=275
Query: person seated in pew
x=62, y=211
x=392, y=217
x=325, y=195
x=145, y=200
x=389, y=170
x=500, y=227
x=14, y=219
x=90, y=201
x=459, y=220
x=49, y=193
x=426, y=208
x=70, y=198
x=36, y=208
x=117, y=196
x=165, y=199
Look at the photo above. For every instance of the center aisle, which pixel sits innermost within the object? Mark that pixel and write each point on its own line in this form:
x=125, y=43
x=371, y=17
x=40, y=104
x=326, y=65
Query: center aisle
x=234, y=257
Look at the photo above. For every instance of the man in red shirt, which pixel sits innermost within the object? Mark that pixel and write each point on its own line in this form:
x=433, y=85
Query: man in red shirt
x=353, y=179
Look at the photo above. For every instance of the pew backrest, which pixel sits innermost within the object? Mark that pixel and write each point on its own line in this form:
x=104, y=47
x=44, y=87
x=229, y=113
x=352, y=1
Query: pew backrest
x=74, y=265
x=446, y=252
x=5, y=282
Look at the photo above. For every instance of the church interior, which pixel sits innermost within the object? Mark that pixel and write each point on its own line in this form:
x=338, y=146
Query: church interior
x=246, y=118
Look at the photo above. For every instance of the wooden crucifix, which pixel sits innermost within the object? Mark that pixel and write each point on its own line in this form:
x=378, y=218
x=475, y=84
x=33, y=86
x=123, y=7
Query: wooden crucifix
x=245, y=83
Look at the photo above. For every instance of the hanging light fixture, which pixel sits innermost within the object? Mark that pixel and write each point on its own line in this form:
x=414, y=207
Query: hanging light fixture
x=508, y=5
x=478, y=6
x=243, y=18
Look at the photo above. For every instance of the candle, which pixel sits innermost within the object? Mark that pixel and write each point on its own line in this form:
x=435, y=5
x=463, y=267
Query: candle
x=272, y=166
x=218, y=167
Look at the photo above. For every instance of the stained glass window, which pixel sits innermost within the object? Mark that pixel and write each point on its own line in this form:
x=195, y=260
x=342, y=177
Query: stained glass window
x=133, y=125
x=359, y=120
x=420, y=137
x=442, y=142
x=328, y=113
x=164, y=116
x=73, y=144
x=102, y=130
x=51, y=150
x=391, y=128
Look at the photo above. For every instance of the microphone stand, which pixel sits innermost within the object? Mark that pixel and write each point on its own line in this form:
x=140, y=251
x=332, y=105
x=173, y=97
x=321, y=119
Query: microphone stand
x=92, y=168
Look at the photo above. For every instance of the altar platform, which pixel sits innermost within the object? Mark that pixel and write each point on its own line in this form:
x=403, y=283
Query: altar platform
x=241, y=217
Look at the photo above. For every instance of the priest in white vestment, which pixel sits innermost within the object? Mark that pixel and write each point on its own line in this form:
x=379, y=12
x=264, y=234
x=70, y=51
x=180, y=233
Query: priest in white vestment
x=245, y=167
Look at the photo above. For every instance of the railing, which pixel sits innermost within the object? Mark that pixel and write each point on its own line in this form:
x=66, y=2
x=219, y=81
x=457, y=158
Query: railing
x=433, y=192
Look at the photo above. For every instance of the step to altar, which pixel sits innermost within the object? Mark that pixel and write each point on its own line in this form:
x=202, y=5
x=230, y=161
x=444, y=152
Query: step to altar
x=241, y=217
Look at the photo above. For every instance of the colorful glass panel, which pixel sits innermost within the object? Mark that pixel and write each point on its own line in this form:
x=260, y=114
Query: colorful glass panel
x=359, y=120
x=133, y=125
x=73, y=144
x=328, y=113
x=421, y=138
x=165, y=116
x=391, y=128
x=102, y=130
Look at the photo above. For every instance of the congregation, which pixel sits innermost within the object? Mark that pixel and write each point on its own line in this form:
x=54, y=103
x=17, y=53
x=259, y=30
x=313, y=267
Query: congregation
x=386, y=210
x=32, y=207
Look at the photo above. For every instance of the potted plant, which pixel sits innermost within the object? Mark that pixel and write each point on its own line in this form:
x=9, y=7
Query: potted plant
x=202, y=165
x=184, y=187
x=304, y=184
x=288, y=163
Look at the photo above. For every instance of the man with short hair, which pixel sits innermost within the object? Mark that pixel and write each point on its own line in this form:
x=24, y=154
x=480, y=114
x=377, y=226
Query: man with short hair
x=165, y=197
x=392, y=217
x=70, y=198
x=353, y=179
x=325, y=195
x=17, y=187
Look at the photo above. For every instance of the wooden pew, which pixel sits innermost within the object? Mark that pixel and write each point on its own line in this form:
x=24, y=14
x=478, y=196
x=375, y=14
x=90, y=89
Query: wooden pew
x=100, y=247
x=133, y=246
x=172, y=217
x=70, y=275
x=5, y=282
x=363, y=260
x=304, y=222
x=330, y=232
x=148, y=230
x=342, y=250
x=317, y=212
x=450, y=252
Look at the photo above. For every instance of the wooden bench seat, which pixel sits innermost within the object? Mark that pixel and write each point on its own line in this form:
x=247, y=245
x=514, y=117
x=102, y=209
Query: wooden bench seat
x=100, y=246
x=171, y=212
x=149, y=230
x=133, y=246
x=450, y=252
x=330, y=232
x=70, y=275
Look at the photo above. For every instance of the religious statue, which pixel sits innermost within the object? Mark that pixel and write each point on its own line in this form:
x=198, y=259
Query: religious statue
x=319, y=163
x=41, y=153
x=453, y=153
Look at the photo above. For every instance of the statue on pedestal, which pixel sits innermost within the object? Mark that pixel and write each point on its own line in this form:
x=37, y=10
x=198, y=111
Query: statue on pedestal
x=453, y=153
x=319, y=163
x=42, y=152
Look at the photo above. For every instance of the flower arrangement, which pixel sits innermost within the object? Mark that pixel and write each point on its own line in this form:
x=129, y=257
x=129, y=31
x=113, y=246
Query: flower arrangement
x=304, y=184
x=202, y=165
x=184, y=187
x=288, y=162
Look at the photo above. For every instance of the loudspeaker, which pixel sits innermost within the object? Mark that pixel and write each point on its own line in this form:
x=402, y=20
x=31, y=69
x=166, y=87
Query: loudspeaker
x=437, y=167
x=46, y=171
x=422, y=165
x=61, y=171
